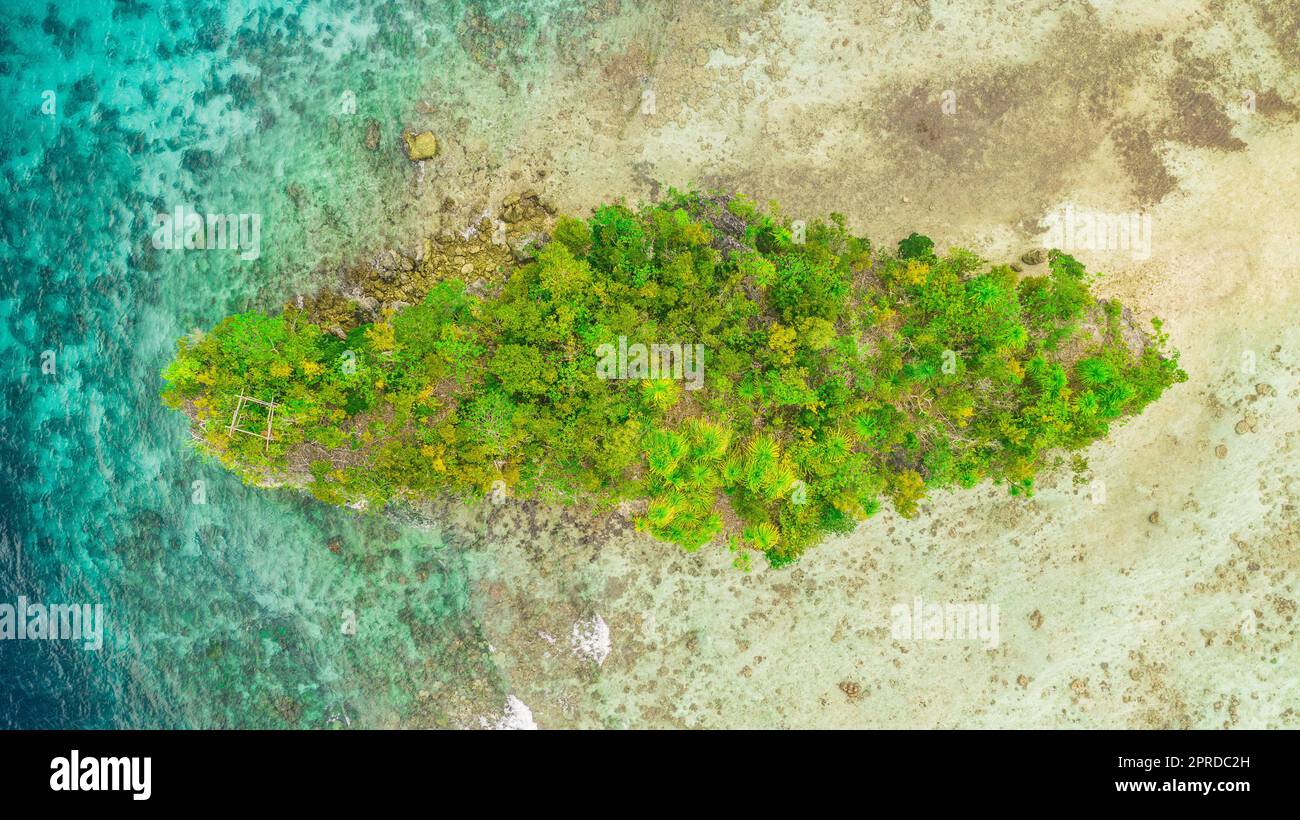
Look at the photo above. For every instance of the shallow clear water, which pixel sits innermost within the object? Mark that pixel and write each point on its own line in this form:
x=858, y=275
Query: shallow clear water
x=229, y=612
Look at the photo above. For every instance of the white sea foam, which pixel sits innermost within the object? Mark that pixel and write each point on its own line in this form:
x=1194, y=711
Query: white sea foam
x=517, y=715
x=590, y=639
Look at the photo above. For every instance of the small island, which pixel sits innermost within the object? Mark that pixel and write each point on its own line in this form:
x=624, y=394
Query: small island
x=728, y=374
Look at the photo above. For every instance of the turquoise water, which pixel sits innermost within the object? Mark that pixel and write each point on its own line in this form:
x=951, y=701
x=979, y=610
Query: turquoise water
x=229, y=612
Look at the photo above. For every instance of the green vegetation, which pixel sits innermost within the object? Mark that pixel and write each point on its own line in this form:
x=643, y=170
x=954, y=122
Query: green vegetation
x=836, y=376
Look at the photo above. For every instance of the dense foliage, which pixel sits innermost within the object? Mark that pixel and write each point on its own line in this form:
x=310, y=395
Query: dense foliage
x=835, y=377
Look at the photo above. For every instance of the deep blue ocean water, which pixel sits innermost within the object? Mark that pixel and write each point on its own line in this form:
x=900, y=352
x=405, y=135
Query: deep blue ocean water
x=228, y=612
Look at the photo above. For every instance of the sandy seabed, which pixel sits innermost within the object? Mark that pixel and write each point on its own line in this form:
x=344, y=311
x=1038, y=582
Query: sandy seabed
x=1158, y=591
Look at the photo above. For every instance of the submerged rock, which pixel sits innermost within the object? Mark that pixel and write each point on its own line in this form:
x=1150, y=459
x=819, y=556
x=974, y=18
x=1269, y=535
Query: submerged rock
x=520, y=207
x=421, y=146
x=373, y=135
x=198, y=160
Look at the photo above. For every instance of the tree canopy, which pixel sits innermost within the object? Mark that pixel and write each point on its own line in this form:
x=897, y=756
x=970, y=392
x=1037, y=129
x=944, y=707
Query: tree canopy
x=836, y=377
